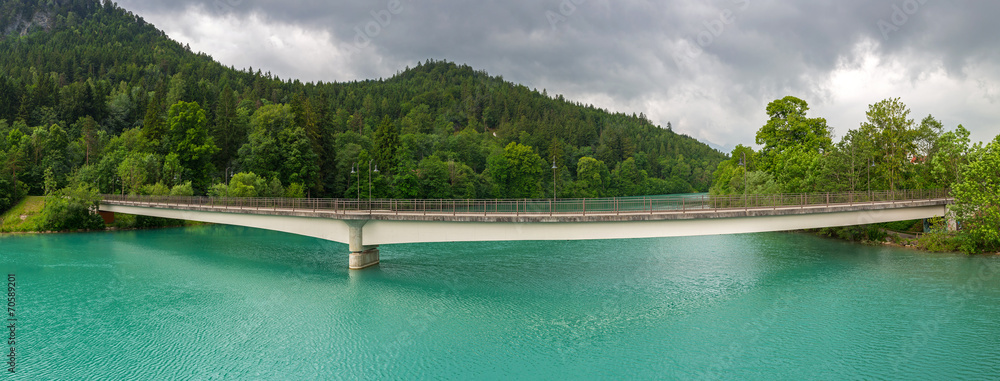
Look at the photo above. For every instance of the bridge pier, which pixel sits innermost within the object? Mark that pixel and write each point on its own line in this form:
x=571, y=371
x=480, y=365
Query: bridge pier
x=361, y=256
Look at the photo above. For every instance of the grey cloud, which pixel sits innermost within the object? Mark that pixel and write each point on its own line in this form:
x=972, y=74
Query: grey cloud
x=632, y=51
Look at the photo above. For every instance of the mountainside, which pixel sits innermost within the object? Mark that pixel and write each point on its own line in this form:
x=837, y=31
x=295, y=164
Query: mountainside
x=91, y=93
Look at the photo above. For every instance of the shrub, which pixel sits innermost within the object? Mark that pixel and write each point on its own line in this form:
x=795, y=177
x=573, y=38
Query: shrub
x=72, y=209
x=182, y=190
x=157, y=189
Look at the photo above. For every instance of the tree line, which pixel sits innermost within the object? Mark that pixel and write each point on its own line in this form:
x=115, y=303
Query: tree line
x=890, y=151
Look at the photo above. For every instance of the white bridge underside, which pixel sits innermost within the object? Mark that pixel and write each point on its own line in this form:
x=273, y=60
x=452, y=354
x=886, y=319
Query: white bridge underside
x=383, y=232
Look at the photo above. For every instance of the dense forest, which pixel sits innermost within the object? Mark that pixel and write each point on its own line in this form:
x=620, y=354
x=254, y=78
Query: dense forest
x=890, y=151
x=93, y=96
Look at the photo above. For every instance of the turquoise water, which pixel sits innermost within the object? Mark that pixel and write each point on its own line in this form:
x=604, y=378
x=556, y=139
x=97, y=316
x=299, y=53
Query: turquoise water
x=234, y=303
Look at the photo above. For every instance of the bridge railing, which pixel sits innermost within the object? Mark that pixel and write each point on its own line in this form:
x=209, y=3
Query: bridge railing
x=623, y=205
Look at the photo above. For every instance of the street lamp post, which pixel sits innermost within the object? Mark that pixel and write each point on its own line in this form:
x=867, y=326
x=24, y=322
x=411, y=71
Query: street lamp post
x=357, y=183
x=871, y=163
x=743, y=162
x=554, y=167
x=370, y=178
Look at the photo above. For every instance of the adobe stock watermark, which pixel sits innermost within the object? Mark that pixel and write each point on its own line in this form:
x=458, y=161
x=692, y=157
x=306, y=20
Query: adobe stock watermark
x=381, y=19
x=928, y=329
x=900, y=16
x=566, y=9
x=756, y=331
x=711, y=31
x=226, y=6
x=422, y=321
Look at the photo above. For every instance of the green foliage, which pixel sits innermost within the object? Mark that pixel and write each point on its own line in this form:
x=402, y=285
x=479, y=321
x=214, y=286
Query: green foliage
x=185, y=189
x=10, y=196
x=263, y=153
x=157, y=189
x=951, y=154
x=796, y=169
x=789, y=128
x=386, y=144
x=628, y=179
x=218, y=190
x=189, y=138
x=72, y=208
x=24, y=216
x=273, y=189
x=911, y=226
x=593, y=178
x=134, y=169
x=173, y=170
x=888, y=152
x=939, y=239
x=860, y=233
x=516, y=172
x=295, y=190
x=977, y=199
x=247, y=185
x=149, y=100
x=732, y=176
x=435, y=181
x=894, y=139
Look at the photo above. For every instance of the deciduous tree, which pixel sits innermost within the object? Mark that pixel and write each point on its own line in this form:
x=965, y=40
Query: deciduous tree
x=516, y=172
x=977, y=199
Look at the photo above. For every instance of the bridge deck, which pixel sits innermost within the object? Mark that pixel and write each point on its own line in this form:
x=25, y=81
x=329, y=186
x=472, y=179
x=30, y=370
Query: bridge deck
x=552, y=216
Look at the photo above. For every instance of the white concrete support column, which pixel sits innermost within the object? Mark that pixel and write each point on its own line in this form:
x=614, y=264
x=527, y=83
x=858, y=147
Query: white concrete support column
x=951, y=219
x=361, y=256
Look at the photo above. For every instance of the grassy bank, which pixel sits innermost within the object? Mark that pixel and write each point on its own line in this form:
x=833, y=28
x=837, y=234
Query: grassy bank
x=29, y=216
x=26, y=216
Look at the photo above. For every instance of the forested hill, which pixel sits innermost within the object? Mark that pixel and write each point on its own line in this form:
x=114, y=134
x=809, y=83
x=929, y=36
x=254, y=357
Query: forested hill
x=91, y=93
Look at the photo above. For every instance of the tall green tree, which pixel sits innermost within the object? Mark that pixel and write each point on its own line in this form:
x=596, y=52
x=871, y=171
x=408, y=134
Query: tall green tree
x=788, y=127
x=977, y=199
x=593, y=177
x=300, y=164
x=262, y=152
x=434, y=178
x=191, y=141
x=950, y=156
x=154, y=125
x=894, y=137
x=386, y=144
x=731, y=174
x=516, y=172
x=628, y=179
x=229, y=130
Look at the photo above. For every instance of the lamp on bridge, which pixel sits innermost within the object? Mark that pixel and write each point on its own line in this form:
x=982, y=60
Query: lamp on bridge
x=370, y=177
x=871, y=163
x=554, y=178
x=743, y=163
x=357, y=183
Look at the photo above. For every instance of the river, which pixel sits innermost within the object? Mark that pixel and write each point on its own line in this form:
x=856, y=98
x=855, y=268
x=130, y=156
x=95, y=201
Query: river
x=217, y=302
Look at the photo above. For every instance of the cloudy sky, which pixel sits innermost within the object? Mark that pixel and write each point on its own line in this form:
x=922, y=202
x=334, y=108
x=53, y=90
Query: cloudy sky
x=709, y=67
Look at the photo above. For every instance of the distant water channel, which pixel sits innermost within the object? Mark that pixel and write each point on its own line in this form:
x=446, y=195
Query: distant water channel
x=217, y=302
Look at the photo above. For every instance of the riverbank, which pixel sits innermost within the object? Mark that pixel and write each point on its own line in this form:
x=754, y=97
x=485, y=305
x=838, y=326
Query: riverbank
x=28, y=217
x=25, y=217
x=901, y=234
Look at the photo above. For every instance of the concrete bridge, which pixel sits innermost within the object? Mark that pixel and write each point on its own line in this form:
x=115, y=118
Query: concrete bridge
x=366, y=224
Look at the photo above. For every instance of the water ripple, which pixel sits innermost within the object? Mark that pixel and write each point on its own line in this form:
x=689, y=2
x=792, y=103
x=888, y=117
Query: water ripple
x=233, y=303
